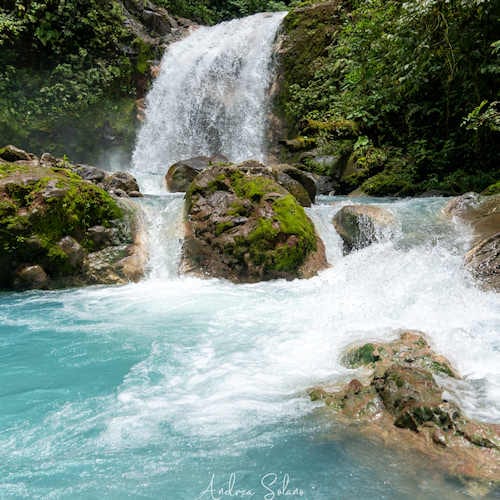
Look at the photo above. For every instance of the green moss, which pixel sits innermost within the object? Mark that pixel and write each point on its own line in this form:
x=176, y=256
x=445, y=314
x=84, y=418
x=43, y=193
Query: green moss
x=388, y=183
x=252, y=188
x=441, y=368
x=360, y=356
x=238, y=208
x=32, y=222
x=145, y=54
x=269, y=243
x=492, y=189
x=223, y=226
x=339, y=127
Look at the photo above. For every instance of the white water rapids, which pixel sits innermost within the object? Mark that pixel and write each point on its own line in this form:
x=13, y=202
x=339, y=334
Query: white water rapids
x=148, y=390
x=265, y=344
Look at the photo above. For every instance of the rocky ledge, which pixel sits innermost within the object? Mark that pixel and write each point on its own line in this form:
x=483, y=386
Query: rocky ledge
x=59, y=228
x=402, y=402
x=242, y=225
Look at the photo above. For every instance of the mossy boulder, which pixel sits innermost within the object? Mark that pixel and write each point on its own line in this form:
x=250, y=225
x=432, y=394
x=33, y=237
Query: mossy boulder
x=46, y=217
x=243, y=226
x=401, y=400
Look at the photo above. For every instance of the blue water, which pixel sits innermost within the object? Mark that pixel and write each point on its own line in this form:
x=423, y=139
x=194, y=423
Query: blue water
x=159, y=389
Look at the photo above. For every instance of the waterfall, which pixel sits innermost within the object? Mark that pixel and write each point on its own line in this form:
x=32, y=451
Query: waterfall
x=211, y=97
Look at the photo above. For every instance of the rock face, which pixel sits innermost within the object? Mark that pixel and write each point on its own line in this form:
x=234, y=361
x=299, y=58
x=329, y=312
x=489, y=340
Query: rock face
x=483, y=215
x=362, y=225
x=243, y=226
x=181, y=174
x=52, y=223
x=404, y=403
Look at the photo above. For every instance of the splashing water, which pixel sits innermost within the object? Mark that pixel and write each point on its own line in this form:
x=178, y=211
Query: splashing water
x=210, y=97
x=153, y=390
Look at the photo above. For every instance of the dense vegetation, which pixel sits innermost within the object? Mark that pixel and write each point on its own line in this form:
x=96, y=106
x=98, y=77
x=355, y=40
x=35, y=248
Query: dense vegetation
x=213, y=11
x=65, y=66
x=70, y=70
x=406, y=92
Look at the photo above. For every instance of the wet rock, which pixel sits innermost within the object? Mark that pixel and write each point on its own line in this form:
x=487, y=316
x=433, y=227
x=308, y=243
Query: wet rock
x=403, y=403
x=181, y=174
x=362, y=225
x=47, y=160
x=73, y=250
x=410, y=350
x=12, y=154
x=483, y=261
x=413, y=397
x=295, y=188
x=243, y=226
x=121, y=182
x=283, y=173
x=482, y=213
x=48, y=221
x=30, y=278
x=135, y=194
x=89, y=173
x=324, y=184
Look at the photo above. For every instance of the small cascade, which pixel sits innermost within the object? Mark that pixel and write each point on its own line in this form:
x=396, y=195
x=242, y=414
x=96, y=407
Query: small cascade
x=211, y=97
x=163, y=217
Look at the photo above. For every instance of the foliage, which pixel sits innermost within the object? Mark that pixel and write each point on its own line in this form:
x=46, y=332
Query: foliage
x=214, y=11
x=65, y=65
x=419, y=76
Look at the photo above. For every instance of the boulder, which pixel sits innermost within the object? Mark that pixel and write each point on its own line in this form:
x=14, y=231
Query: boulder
x=402, y=402
x=295, y=188
x=283, y=174
x=89, y=173
x=482, y=213
x=325, y=185
x=73, y=250
x=243, y=226
x=120, y=181
x=413, y=397
x=362, y=225
x=48, y=221
x=483, y=261
x=12, y=154
x=30, y=278
x=181, y=174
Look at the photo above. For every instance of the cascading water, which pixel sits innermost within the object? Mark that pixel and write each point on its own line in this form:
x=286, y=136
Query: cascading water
x=162, y=388
x=210, y=98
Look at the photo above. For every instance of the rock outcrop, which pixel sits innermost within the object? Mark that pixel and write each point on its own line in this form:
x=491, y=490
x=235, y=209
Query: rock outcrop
x=362, y=225
x=243, y=226
x=482, y=213
x=402, y=402
x=58, y=229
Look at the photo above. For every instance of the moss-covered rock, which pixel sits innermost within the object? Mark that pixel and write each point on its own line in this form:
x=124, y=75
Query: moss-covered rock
x=402, y=402
x=243, y=226
x=46, y=218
